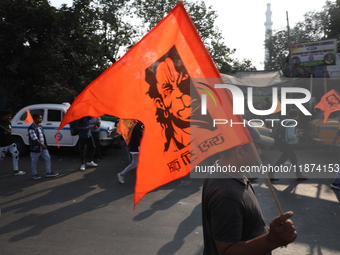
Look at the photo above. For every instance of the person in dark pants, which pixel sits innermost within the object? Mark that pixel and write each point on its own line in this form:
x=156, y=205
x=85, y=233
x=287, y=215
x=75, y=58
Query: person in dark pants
x=125, y=150
x=291, y=138
x=86, y=143
x=136, y=136
x=95, y=128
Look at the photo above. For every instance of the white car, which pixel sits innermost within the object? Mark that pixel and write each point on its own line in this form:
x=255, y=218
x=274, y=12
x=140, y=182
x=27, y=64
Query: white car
x=52, y=116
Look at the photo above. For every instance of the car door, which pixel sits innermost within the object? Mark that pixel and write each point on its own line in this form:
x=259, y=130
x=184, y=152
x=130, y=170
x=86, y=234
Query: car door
x=52, y=121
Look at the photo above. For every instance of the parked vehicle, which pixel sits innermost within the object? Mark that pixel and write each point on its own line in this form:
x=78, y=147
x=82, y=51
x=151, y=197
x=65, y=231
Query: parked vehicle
x=52, y=116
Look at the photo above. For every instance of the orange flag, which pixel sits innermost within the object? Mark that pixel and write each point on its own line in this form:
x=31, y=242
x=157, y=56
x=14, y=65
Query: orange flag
x=160, y=81
x=29, y=118
x=125, y=128
x=330, y=102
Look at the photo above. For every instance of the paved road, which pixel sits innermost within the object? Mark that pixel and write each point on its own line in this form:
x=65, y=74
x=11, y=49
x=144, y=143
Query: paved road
x=89, y=212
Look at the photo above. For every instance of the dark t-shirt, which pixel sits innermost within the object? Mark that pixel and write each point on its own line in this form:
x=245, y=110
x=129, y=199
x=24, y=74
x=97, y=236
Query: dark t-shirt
x=5, y=138
x=230, y=213
x=80, y=125
x=136, y=136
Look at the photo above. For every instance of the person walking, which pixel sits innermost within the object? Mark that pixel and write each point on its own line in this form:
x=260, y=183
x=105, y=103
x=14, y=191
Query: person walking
x=95, y=128
x=38, y=147
x=86, y=143
x=136, y=136
x=291, y=139
x=123, y=131
x=6, y=141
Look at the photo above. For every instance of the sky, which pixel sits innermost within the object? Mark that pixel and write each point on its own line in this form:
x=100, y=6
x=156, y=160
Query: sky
x=242, y=22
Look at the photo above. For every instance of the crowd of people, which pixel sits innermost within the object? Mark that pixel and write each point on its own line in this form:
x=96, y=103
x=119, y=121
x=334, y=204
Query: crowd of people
x=89, y=144
x=291, y=139
x=90, y=148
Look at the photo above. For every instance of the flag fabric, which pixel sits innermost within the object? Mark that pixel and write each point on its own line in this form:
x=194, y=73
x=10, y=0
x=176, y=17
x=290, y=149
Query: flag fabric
x=330, y=102
x=125, y=128
x=29, y=118
x=154, y=82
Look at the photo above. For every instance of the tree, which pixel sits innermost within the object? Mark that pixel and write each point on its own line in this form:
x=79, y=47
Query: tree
x=316, y=26
x=278, y=49
x=52, y=54
x=25, y=27
x=152, y=11
x=333, y=28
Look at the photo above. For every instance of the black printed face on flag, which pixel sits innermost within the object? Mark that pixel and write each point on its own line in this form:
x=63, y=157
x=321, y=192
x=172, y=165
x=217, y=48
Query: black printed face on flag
x=176, y=101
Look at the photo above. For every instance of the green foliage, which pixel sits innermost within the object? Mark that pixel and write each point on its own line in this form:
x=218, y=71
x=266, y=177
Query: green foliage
x=278, y=49
x=316, y=26
x=25, y=39
x=203, y=16
x=50, y=54
x=333, y=28
x=245, y=65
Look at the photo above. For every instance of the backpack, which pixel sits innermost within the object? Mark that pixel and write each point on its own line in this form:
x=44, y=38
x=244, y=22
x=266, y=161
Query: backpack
x=73, y=129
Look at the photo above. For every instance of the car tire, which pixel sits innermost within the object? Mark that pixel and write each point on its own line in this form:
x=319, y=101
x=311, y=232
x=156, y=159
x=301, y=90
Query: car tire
x=22, y=147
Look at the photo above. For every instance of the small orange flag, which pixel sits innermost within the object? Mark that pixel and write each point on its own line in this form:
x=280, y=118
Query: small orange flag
x=330, y=102
x=125, y=128
x=160, y=81
x=29, y=118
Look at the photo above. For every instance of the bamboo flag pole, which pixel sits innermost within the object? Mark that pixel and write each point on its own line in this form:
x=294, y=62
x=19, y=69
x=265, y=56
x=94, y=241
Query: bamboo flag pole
x=270, y=185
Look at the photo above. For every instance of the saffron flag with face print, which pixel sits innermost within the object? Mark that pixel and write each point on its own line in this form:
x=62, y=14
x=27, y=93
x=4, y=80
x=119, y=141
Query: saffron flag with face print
x=330, y=102
x=125, y=128
x=160, y=81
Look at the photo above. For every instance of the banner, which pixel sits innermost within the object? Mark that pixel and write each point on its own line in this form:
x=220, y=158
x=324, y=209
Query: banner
x=153, y=83
x=319, y=53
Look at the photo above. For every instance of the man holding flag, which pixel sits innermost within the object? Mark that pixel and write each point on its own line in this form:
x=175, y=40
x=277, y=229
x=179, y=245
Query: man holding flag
x=232, y=218
x=161, y=89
